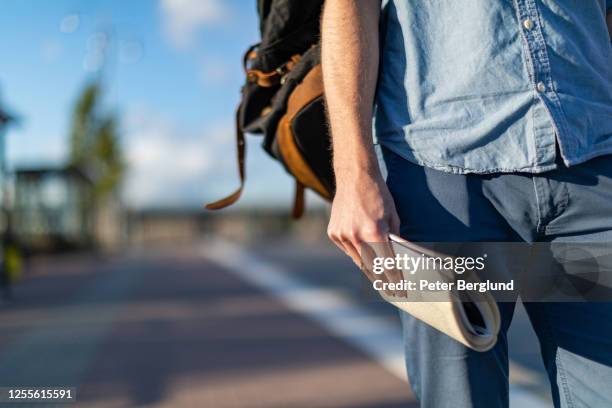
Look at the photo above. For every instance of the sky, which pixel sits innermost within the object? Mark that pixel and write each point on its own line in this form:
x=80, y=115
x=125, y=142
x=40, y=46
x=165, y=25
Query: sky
x=172, y=73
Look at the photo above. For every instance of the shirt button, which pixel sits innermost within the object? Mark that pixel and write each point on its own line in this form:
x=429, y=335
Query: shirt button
x=540, y=87
x=528, y=24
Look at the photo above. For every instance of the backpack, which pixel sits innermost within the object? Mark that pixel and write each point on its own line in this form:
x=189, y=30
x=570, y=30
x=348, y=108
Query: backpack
x=282, y=99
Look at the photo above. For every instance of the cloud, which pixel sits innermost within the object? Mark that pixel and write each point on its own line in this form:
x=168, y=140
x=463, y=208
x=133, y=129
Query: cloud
x=166, y=164
x=183, y=18
x=173, y=166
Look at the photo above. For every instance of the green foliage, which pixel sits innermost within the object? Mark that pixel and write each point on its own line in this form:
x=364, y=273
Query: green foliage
x=94, y=141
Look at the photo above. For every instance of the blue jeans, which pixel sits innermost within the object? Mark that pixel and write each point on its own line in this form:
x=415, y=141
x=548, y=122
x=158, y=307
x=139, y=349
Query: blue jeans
x=567, y=204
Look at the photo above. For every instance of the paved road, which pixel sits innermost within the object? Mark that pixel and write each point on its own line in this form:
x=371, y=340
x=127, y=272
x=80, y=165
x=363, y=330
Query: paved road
x=268, y=325
x=322, y=266
x=171, y=328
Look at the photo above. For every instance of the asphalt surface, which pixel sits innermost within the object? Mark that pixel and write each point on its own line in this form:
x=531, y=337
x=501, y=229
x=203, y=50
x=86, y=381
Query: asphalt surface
x=172, y=327
x=169, y=328
x=322, y=265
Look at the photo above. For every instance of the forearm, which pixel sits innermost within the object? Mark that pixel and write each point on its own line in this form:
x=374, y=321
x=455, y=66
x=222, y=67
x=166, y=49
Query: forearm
x=350, y=69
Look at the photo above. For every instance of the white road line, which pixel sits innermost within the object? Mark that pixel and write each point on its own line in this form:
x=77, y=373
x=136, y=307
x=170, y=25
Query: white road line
x=378, y=337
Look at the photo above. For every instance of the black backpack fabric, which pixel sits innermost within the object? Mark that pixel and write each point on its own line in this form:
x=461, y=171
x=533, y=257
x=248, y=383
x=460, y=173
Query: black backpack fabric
x=282, y=98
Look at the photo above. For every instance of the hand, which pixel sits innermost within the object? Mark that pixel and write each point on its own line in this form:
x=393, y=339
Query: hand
x=362, y=212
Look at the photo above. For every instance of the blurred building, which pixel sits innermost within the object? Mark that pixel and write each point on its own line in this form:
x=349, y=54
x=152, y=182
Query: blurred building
x=172, y=226
x=5, y=120
x=5, y=232
x=53, y=208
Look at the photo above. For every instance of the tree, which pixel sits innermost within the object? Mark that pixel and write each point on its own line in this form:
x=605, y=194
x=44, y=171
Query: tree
x=94, y=141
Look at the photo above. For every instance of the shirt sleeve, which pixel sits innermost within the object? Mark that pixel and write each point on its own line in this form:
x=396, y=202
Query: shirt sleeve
x=609, y=5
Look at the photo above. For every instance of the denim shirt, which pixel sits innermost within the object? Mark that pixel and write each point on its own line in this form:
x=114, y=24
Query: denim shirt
x=483, y=86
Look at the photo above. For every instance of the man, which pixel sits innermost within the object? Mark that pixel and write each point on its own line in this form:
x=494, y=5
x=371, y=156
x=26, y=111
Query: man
x=495, y=121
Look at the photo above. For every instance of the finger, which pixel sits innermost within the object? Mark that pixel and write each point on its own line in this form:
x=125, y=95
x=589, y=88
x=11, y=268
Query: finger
x=368, y=256
x=344, y=246
x=356, y=246
x=333, y=237
x=393, y=274
x=351, y=250
x=370, y=251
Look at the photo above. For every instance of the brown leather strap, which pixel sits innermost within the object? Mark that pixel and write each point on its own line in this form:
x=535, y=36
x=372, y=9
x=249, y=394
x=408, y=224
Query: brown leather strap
x=240, y=148
x=268, y=79
x=298, y=202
